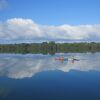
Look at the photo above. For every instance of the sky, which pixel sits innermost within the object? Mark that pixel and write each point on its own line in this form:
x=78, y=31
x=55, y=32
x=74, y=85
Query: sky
x=49, y=20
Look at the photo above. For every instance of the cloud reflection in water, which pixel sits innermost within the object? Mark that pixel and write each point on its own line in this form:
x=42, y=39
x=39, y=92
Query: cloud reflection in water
x=19, y=66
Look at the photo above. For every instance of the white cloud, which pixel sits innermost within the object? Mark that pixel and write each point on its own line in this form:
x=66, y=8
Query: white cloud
x=3, y=4
x=18, y=29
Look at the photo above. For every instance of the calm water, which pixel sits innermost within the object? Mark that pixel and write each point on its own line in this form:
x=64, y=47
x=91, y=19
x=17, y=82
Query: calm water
x=41, y=77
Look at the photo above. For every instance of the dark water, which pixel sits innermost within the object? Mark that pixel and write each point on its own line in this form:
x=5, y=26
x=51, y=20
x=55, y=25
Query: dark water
x=41, y=77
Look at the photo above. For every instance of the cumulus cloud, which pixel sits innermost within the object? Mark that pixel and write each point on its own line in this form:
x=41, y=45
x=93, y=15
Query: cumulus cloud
x=19, y=29
x=3, y=4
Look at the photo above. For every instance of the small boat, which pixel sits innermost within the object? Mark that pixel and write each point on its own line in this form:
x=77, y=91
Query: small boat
x=61, y=58
x=75, y=59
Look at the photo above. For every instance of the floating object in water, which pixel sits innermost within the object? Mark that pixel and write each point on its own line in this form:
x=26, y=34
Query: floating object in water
x=61, y=58
x=75, y=59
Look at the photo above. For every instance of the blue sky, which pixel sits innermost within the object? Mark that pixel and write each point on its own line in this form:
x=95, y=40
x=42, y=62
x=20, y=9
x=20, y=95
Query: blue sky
x=54, y=12
x=57, y=13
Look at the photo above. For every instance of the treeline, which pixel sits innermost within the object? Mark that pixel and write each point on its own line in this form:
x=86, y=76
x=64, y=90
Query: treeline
x=50, y=47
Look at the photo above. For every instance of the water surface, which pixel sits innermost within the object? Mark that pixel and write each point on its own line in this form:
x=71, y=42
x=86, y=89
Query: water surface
x=41, y=77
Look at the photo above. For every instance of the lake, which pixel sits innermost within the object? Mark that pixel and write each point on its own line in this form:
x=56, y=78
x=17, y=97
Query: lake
x=43, y=77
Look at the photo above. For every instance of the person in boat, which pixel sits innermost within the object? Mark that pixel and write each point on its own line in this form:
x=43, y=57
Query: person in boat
x=74, y=59
x=61, y=58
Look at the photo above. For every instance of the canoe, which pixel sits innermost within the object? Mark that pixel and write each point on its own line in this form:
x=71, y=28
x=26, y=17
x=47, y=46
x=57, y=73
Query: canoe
x=61, y=58
x=76, y=59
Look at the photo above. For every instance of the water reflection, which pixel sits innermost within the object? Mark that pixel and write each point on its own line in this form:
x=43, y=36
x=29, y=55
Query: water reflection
x=4, y=91
x=21, y=66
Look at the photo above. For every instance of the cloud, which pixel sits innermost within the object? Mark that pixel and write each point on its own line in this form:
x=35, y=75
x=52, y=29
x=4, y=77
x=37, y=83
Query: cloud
x=3, y=4
x=19, y=29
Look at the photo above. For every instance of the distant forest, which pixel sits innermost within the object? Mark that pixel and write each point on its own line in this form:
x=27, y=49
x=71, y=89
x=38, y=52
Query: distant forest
x=50, y=47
